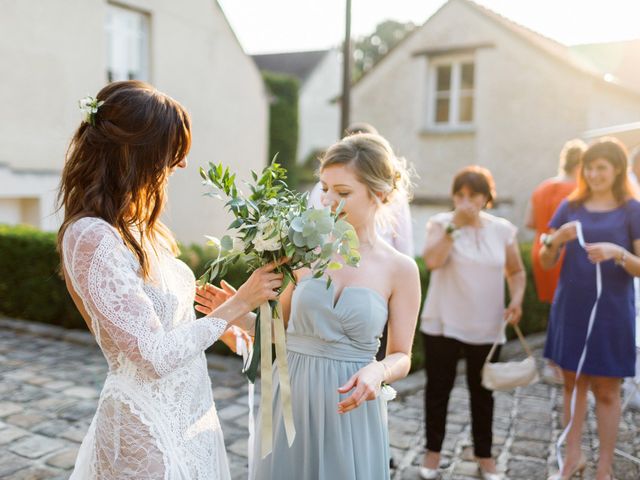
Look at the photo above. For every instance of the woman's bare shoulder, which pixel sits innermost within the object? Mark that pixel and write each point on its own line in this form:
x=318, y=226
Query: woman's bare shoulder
x=401, y=266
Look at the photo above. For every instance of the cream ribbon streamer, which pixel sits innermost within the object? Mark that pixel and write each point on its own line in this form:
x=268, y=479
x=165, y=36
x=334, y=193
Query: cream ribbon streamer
x=266, y=376
x=583, y=356
x=245, y=349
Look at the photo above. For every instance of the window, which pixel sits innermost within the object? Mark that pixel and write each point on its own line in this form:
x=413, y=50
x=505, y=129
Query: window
x=452, y=93
x=127, y=34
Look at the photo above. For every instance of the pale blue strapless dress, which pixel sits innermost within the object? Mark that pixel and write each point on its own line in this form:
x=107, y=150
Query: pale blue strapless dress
x=326, y=345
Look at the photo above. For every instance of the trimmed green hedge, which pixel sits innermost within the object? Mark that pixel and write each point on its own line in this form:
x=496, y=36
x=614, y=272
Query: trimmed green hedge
x=283, y=122
x=30, y=287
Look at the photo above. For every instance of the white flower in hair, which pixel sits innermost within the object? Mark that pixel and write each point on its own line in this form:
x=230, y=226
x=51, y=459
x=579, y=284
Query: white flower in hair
x=88, y=108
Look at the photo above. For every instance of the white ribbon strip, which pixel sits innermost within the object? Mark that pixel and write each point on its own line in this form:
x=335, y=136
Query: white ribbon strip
x=583, y=356
x=283, y=375
x=266, y=395
x=266, y=387
x=245, y=348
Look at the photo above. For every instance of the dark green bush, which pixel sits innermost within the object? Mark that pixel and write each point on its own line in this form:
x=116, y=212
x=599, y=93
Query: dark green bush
x=31, y=288
x=417, y=353
x=534, y=312
x=197, y=258
x=307, y=170
x=283, y=122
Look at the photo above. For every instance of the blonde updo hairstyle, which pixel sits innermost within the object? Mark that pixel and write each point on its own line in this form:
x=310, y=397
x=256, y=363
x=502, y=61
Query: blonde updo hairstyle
x=386, y=176
x=372, y=160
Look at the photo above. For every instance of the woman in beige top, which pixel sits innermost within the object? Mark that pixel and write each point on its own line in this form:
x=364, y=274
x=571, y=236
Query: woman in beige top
x=469, y=253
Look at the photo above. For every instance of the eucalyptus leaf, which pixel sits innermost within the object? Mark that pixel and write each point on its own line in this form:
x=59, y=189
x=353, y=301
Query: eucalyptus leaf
x=226, y=243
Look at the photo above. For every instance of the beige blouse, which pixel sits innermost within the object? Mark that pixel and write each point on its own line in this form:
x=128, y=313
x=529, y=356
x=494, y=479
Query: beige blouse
x=465, y=299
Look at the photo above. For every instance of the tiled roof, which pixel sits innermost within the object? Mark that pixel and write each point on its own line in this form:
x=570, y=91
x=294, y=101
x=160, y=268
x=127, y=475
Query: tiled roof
x=298, y=64
x=621, y=60
x=596, y=60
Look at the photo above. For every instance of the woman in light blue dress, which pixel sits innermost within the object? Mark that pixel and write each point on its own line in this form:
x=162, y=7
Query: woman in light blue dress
x=333, y=333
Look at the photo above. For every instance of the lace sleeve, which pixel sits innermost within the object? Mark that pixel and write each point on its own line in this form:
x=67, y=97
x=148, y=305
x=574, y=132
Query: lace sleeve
x=106, y=279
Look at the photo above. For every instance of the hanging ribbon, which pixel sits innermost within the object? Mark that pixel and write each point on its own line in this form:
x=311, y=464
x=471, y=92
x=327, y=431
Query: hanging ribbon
x=266, y=374
x=245, y=348
x=583, y=355
x=283, y=372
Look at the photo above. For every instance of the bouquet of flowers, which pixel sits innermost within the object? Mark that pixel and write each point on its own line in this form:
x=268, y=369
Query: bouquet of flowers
x=273, y=222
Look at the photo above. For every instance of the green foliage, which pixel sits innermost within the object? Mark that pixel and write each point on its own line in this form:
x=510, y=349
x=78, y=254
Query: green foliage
x=283, y=121
x=534, y=312
x=274, y=222
x=197, y=258
x=308, y=169
x=30, y=286
x=371, y=48
x=417, y=351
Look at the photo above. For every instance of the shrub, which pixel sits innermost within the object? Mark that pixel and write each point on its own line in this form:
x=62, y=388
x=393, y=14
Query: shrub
x=534, y=312
x=283, y=122
x=30, y=287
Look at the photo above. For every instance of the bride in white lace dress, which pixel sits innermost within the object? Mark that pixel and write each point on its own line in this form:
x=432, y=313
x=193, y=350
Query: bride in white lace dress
x=156, y=418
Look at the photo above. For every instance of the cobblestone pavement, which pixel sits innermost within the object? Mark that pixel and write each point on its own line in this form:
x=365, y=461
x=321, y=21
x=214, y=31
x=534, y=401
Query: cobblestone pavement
x=50, y=381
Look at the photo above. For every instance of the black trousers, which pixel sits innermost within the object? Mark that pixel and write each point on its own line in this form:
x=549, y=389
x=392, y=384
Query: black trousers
x=441, y=360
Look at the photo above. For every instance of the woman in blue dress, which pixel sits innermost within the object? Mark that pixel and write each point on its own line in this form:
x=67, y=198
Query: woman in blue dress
x=609, y=216
x=333, y=333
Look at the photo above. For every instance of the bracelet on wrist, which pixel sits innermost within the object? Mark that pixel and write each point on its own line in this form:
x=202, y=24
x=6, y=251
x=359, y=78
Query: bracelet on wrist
x=621, y=259
x=385, y=371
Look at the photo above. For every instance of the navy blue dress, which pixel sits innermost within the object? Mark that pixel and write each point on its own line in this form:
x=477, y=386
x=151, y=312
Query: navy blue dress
x=611, y=350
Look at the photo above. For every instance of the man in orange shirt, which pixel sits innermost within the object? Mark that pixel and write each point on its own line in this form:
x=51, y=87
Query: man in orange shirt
x=544, y=201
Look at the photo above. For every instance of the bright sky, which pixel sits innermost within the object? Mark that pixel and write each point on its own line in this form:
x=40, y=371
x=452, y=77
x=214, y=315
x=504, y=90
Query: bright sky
x=265, y=26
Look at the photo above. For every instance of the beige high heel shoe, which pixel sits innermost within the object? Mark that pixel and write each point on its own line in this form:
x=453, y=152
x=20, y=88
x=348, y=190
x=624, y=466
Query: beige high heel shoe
x=578, y=469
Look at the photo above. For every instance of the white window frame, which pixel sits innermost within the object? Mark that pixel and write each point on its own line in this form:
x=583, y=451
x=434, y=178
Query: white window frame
x=455, y=62
x=132, y=45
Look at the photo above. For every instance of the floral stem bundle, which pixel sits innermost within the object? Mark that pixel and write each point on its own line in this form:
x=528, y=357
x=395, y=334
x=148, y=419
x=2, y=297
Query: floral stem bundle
x=272, y=223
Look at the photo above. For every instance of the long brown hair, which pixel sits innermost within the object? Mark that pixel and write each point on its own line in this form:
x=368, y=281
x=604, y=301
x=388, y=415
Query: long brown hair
x=614, y=152
x=117, y=168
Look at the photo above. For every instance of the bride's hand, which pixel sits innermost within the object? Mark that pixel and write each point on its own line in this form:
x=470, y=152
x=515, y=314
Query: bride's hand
x=261, y=286
x=231, y=336
x=209, y=297
x=366, y=382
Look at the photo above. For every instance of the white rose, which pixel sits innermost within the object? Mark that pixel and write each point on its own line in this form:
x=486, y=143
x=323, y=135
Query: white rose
x=272, y=244
x=262, y=242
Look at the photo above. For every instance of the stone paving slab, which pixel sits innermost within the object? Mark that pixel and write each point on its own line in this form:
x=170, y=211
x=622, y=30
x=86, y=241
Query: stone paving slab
x=50, y=379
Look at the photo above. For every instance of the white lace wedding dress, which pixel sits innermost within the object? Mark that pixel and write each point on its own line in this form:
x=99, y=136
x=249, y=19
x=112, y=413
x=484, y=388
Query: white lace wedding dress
x=156, y=418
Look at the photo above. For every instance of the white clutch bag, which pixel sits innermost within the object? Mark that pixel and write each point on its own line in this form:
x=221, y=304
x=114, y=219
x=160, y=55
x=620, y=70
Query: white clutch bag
x=509, y=375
